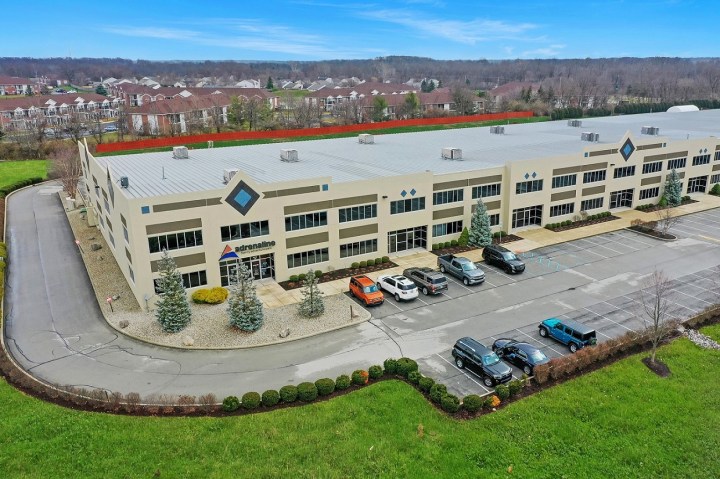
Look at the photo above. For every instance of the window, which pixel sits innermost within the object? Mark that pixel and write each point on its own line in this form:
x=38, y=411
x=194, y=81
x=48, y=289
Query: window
x=132, y=274
x=450, y=196
x=494, y=219
x=308, y=220
x=125, y=234
x=102, y=221
x=357, y=248
x=593, y=204
x=653, y=167
x=485, y=191
x=650, y=193
x=406, y=206
x=112, y=239
x=695, y=185
x=701, y=160
x=565, y=180
x=717, y=156
x=189, y=280
x=677, y=163
x=624, y=171
x=244, y=230
x=531, y=215
x=715, y=179
x=564, y=209
x=307, y=257
x=594, y=176
x=528, y=186
x=171, y=241
x=107, y=205
x=144, y=210
x=622, y=198
x=355, y=213
x=447, y=228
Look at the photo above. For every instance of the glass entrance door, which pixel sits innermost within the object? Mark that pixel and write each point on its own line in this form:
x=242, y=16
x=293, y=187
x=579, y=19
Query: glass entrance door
x=622, y=198
x=402, y=240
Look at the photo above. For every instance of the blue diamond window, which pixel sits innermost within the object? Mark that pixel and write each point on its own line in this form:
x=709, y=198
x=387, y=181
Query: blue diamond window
x=412, y=192
x=527, y=175
x=627, y=149
x=403, y=193
x=534, y=174
x=145, y=210
x=242, y=198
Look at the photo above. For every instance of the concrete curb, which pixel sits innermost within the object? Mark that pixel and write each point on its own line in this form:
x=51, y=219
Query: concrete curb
x=667, y=240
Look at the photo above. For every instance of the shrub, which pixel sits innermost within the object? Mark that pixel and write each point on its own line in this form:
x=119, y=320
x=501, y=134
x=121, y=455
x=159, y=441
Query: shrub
x=437, y=391
x=251, y=400
x=414, y=377
x=375, y=372
x=405, y=365
x=307, y=391
x=489, y=400
x=294, y=278
x=464, y=237
x=359, y=377
x=450, y=403
x=355, y=265
x=391, y=366
x=288, y=394
x=230, y=404
x=318, y=273
x=325, y=386
x=663, y=202
x=385, y=259
x=210, y=296
x=548, y=226
x=541, y=373
x=472, y=403
x=371, y=262
x=302, y=277
x=342, y=382
x=446, y=244
x=515, y=387
x=502, y=391
x=686, y=198
x=378, y=261
x=435, y=246
x=453, y=243
x=425, y=384
x=363, y=264
x=270, y=398
x=715, y=190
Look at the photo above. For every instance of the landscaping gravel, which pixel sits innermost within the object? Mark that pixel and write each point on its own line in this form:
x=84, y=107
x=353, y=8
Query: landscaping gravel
x=701, y=340
x=209, y=327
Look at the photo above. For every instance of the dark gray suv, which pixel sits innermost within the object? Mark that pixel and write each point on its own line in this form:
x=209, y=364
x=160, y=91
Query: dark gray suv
x=481, y=360
x=503, y=257
x=427, y=280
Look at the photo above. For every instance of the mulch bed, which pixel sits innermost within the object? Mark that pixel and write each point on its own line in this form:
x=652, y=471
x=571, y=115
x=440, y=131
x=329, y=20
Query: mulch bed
x=462, y=249
x=339, y=274
x=580, y=224
x=655, y=208
x=652, y=232
x=658, y=367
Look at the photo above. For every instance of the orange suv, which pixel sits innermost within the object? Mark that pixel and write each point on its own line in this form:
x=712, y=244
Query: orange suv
x=365, y=289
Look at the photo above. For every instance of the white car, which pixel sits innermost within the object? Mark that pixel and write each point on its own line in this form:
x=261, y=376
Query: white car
x=399, y=286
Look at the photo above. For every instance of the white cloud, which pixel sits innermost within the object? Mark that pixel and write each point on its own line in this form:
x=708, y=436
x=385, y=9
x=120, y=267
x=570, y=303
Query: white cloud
x=549, y=51
x=153, y=32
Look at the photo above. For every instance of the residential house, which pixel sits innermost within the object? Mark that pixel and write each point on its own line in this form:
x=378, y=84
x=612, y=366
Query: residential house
x=22, y=113
x=180, y=115
x=15, y=85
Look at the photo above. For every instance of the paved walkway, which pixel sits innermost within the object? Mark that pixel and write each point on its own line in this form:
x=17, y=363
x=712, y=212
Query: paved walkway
x=273, y=295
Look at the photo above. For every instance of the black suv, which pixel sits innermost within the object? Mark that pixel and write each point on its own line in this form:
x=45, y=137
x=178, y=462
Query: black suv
x=482, y=360
x=503, y=257
x=427, y=280
x=523, y=355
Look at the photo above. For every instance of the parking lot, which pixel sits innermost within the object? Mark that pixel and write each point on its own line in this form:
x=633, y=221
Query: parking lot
x=600, y=258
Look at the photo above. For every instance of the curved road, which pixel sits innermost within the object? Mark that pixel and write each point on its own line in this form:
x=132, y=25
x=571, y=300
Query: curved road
x=55, y=330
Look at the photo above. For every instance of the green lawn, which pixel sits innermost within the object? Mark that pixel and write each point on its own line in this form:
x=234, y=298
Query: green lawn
x=619, y=422
x=14, y=171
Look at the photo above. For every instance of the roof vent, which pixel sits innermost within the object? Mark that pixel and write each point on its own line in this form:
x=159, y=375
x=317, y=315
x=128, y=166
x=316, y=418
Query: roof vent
x=450, y=153
x=589, y=136
x=124, y=182
x=228, y=175
x=650, y=130
x=289, y=155
x=575, y=123
x=366, y=139
x=497, y=130
x=180, y=152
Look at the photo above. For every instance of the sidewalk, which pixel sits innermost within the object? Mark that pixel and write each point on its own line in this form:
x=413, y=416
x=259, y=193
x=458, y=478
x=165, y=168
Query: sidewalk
x=273, y=295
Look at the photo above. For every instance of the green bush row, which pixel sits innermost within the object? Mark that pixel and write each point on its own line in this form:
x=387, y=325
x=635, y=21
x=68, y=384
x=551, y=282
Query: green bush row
x=370, y=262
x=303, y=276
x=715, y=190
x=6, y=190
x=560, y=224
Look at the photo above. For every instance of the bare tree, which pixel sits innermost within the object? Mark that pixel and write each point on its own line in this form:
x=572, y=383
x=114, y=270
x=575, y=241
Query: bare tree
x=658, y=308
x=666, y=220
x=66, y=167
x=463, y=99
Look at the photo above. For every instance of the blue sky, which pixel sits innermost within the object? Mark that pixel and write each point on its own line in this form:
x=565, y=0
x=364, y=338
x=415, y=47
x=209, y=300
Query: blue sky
x=323, y=30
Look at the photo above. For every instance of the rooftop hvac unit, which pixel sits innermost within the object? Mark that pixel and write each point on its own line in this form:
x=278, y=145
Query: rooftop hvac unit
x=497, y=130
x=289, y=155
x=589, y=136
x=575, y=123
x=124, y=182
x=366, y=139
x=452, y=154
x=228, y=175
x=650, y=130
x=180, y=152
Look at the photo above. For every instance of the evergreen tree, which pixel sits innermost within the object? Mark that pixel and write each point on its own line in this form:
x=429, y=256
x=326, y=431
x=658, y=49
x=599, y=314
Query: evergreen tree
x=173, y=310
x=100, y=90
x=269, y=84
x=245, y=310
x=480, y=235
x=379, y=107
x=312, y=304
x=673, y=189
x=464, y=237
x=423, y=86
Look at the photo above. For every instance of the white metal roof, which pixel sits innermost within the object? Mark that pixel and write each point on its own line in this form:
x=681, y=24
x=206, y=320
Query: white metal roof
x=346, y=160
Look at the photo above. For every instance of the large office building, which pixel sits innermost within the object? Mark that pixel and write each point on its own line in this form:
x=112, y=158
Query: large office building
x=283, y=209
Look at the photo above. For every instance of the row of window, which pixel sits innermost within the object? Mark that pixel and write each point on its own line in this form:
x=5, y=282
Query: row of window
x=172, y=241
x=355, y=213
x=406, y=206
x=449, y=196
x=701, y=160
x=624, y=171
x=485, y=191
x=308, y=220
x=564, y=180
x=528, y=186
x=443, y=229
x=358, y=248
x=305, y=258
x=189, y=280
x=245, y=230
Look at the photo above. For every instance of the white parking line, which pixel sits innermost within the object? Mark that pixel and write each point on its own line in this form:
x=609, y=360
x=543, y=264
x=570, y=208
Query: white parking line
x=693, y=297
x=635, y=239
x=420, y=299
x=602, y=246
x=601, y=334
x=390, y=302
x=464, y=373
x=584, y=250
x=540, y=342
x=608, y=319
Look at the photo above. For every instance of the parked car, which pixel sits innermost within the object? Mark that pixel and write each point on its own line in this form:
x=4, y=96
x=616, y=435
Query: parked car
x=482, y=360
x=399, y=286
x=568, y=332
x=427, y=280
x=462, y=268
x=503, y=257
x=364, y=289
x=523, y=355
x=110, y=128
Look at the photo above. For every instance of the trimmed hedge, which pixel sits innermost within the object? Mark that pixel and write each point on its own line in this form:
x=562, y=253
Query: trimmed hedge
x=342, y=382
x=425, y=383
x=270, y=398
x=325, y=386
x=251, y=400
x=230, y=404
x=385, y=259
x=450, y=403
x=502, y=391
x=437, y=391
x=215, y=295
x=405, y=365
x=6, y=190
x=414, y=377
x=288, y=394
x=375, y=372
x=472, y=403
x=359, y=377
x=307, y=391
x=391, y=366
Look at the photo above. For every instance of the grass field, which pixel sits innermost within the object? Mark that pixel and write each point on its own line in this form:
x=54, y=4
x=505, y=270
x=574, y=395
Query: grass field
x=622, y=421
x=14, y=171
